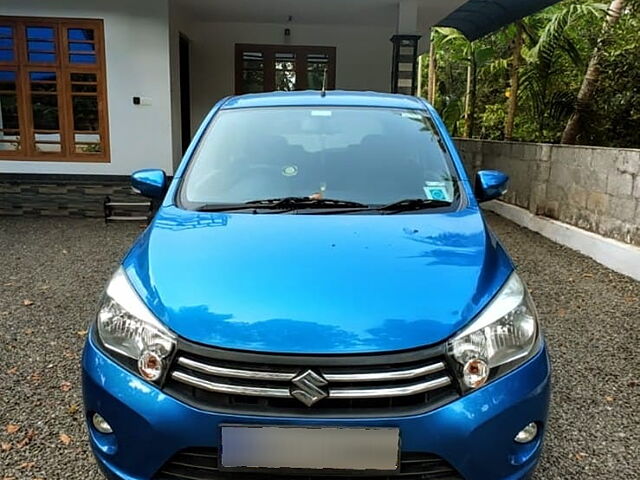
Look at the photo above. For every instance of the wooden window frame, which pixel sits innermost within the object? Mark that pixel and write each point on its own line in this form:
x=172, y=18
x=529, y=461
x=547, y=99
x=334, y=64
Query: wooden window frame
x=63, y=69
x=269, y=52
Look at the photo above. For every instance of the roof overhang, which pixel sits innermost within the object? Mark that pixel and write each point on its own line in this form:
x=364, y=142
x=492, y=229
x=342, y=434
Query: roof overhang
x=477, y=18
x=474, y=18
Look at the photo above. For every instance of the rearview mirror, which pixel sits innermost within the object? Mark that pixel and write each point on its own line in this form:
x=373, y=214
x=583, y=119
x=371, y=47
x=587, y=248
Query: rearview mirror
x=490, y=184
x=151, y=183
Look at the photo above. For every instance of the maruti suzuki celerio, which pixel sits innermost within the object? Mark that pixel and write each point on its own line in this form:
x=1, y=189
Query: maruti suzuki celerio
x=318, y=296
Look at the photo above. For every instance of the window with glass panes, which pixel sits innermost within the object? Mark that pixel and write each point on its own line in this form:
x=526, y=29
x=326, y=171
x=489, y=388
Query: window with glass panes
x=52, y=90
x=266, y=68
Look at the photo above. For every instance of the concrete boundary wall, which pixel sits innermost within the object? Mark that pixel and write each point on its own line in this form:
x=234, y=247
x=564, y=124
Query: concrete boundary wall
x=593, y=188
x=618, y=256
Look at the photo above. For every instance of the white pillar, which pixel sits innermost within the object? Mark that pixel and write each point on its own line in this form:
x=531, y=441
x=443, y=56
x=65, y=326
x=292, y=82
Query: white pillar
x=407, y=17
x=404, y=65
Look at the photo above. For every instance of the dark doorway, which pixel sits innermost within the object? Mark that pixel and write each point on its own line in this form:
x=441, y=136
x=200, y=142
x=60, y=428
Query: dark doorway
x=185, y=92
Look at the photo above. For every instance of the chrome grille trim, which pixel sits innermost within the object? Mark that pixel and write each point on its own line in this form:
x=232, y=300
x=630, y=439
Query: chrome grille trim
x=385, y=376
x=236, y=373
x=230, y=388
x=278, y=384
x=374, y=392
x=407, y=374
x=371, y=392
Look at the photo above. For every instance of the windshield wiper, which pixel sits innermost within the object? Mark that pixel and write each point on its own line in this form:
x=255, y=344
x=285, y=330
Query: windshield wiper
x=304, y=202
x=283, y=203
x=224, y=207
x=411, y=204
x=293, y=203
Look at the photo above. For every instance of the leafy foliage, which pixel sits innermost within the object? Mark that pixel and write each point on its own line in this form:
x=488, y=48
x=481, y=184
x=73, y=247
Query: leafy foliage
x=558, y=44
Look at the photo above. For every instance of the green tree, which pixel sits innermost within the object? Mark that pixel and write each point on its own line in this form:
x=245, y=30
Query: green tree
x=514, y=79
x=614, y=116
x=548, y=63
x=474, y=56
x=541, y=76
x=592, y=77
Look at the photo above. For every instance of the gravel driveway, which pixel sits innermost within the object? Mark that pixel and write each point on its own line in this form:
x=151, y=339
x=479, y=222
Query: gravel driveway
x=52, y=272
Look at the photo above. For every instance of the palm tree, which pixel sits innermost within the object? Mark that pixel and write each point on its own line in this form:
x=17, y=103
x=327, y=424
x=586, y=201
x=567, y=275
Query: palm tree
x=543, y=63
x=514, y=80
x=433, y=70
x=475, y=57
x=591, y=78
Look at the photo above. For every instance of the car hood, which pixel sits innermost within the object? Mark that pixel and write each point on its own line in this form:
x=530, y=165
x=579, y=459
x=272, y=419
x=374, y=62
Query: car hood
x=322, y=284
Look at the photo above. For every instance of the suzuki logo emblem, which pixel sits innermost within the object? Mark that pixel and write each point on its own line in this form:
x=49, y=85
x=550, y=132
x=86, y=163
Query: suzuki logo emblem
x=307, y=387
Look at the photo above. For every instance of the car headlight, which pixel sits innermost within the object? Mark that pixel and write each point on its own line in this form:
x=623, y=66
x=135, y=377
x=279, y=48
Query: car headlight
x=126, y=326
x=504, y=335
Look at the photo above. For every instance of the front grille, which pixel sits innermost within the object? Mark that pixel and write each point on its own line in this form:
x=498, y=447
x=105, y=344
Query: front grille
x=202, y=464
x=354, y=385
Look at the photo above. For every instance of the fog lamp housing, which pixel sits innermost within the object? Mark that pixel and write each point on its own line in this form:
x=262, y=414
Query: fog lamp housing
x=527, y=434
x=100, y=424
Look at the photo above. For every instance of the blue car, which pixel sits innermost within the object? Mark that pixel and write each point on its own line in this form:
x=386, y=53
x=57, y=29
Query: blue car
x=317, y=297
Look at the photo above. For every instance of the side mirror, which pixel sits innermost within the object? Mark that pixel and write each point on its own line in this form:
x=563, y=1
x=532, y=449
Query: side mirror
x=490, y=184
x=151, y=183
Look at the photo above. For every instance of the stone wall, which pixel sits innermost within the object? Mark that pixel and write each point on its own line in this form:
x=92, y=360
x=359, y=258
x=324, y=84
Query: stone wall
x=593, y=188
x=64, y=195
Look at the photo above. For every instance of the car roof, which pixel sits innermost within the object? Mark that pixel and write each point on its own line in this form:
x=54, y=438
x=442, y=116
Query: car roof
x=333, y=98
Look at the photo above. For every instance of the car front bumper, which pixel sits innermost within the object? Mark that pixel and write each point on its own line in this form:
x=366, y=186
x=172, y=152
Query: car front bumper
x=474, y=433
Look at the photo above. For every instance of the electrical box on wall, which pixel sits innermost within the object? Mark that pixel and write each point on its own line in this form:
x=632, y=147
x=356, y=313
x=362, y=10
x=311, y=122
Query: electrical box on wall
x=142, y=101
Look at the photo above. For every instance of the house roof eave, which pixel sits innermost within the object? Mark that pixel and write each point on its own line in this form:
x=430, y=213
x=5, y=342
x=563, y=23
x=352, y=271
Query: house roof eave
x=477, y=18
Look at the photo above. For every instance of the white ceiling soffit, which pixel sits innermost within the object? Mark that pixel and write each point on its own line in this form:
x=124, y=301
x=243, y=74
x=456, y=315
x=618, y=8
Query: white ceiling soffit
x=306, y=12
x=380, y=13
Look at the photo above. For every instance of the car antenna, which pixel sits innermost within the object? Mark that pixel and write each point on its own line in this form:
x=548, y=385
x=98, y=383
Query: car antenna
x=323, y=93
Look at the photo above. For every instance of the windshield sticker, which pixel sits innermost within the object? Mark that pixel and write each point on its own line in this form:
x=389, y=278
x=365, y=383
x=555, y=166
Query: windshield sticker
x=321, y=113
x=290, y=171
x=414, y=116
x=436, y=191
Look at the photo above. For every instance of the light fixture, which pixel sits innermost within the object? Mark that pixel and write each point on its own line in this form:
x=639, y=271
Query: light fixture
x=475, y=373
x=128, y=328
x=500, y=338
x=527, y=434
x=287, y=30
x=100, y=424
x=150, y=365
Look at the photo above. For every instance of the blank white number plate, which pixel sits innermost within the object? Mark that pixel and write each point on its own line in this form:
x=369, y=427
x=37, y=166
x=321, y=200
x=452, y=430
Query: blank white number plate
x=310, y=448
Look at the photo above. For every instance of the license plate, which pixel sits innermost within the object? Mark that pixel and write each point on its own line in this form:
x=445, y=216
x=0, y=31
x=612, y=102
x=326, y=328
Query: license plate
x=309, y=448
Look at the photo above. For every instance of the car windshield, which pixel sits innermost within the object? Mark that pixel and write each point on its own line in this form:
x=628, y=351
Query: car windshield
x=372, y=156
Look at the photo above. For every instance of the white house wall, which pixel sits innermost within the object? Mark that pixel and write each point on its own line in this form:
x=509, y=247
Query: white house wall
x=137, y=63
x=178, y=23
x=363, y=56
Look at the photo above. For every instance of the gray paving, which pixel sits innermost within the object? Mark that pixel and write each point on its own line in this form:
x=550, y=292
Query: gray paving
x=590, y=314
